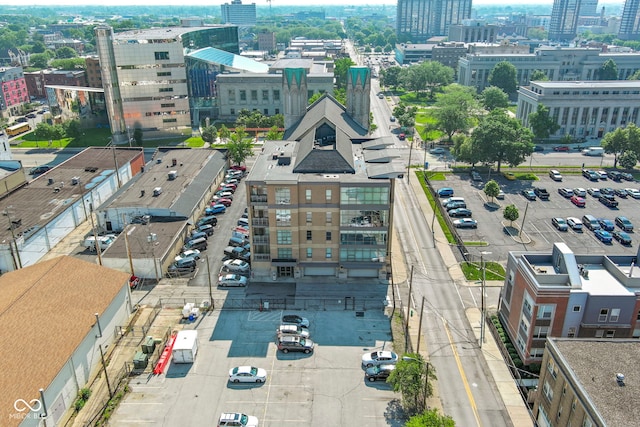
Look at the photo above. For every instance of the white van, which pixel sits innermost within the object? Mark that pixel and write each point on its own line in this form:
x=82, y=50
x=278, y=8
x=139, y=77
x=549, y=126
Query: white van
x=593, y=151
x=104, y=242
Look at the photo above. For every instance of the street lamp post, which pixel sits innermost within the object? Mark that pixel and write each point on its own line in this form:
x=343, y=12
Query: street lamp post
x=482, y=303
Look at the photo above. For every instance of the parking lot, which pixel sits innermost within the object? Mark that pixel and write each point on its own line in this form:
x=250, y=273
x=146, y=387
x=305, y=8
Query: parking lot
x=535, y=216
x=326, y=387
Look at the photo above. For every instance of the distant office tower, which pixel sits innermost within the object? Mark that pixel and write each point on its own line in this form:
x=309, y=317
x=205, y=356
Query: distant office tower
x=564, y=20
x=417, y=20
x=630, y=23
x=243, y=15
x=588, y=8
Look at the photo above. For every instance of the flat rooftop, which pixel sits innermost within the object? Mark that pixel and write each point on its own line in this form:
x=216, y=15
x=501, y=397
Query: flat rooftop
x=145, y=35
x=594, y=364
x=139, y=244
x=613, y=84
x=42, y=199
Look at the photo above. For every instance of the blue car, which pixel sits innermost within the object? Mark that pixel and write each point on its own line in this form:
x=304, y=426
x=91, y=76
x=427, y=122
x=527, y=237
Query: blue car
x=445, y=192
x=215, y=209
x=622, y=237
x=606, y=224
x=603, y=236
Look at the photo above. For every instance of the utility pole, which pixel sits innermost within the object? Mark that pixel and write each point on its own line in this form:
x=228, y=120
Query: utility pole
x=17, y=260
x=96, y=239
x=106, y=374
x=482, y=302
x=126, y=244
x=420, y=325
x=406, y=325
x=209, y=280
x=523, y=218
x=409, y=164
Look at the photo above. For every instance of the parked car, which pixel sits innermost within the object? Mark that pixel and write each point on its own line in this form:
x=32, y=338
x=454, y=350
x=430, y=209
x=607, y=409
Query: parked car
x=377, y=358
x=223, y=201
x=39, y=170
x=603, y=236
x=574, y=223
x=555, y=175
x=562, y=148
x=529, y=194
x=247, y=374
x=236, y=266
x=239, y=168
x=454, y=205
x=215, y=209
x=465, y=223
x=475, y=176
x=437, y=150
x=565, y=192
x=289, y=343
x=580, y=192
x=232, y=280
x=183, y=264
x=603, y=174
x=381, y=372
x=194, y=253
x=560, y=224
x=500, y=195
x=209, y=219
x=206, y=228
x=608, y=200
x=295, y=320
x=621, y=192
x=627, y=176
x=460, y=212
x=542, y=193
x=622, y=237
x=594, y=192
x=615, y=175
x=607, y=224
x=224, y=195
x=624, y=223
x=293, y=330
x=591, y=175
x=538, y=148
x=510, y=176
x=237, y=420
x=633, y=192
x=607, y=190
x=444, y=192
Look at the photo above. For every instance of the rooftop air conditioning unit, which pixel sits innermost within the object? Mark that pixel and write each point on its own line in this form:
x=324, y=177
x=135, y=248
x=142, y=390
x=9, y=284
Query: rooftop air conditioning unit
x=172, y=175
x=75, y=180
x=157, y=191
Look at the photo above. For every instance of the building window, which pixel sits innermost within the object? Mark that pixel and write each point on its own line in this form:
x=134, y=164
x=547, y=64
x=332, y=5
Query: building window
x=285, y=253
x=536, y=352
x=277, y=111
x=243, y=95
x=265, y=95
x=610, y=334
x=283, y=196
x=283, y=216
x=309, y=253
x=170, y=105
x=551, y=367
x=548, y=391
x=328, y=253
x=599, y=333
x=309, y=235
x=309, y=217
x=540, y=331
x=526, y=307
x=232, y=95
x=232, y=111
x=166, y=89
x=328, y=195
x=307, y=194
x=161, y=56
x=545, y=311
x=284, y=237
x=364, y=195
x=329, y=217
x=254, y=95
x=163, y=73
x=276, y=95
x=615, y=315
x=328, y=236
x=577, y=308
x=265, y=111
x=604, y=313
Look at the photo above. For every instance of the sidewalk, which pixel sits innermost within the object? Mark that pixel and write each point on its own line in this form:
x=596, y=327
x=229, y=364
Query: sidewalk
x=505, y=384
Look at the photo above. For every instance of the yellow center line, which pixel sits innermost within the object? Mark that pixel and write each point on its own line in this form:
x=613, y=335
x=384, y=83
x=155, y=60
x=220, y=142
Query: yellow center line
x=462, y=374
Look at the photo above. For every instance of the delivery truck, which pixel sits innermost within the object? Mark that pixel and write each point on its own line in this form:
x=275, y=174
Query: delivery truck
x=185, y=347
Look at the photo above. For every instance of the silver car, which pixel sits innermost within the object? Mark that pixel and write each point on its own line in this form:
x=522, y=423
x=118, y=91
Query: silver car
x=292, y=330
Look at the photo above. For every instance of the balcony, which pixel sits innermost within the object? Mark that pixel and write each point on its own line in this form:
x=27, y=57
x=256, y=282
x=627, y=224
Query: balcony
x=260, y=239
x=260, y=221
x=258, y=198
x=261, y=257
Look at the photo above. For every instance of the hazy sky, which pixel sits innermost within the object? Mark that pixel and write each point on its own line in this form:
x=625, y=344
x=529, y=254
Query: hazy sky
x=259, y=3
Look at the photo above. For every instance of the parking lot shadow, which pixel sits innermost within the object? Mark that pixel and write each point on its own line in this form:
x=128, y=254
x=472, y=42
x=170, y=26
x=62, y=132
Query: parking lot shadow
x=394, y=415
x=178, y=370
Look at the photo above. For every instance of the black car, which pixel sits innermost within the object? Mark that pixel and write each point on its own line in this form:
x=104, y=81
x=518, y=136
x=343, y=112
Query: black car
x=31, y=116
x=293, y=343
x=294, y=319
x=608, y=200
x=538, y=148
x=624, y=223
x=381, y=372
x=615, y=175
x=626, y=176
x=39, y=170
x=622, y=237
x=608, y=191
x=621, y=192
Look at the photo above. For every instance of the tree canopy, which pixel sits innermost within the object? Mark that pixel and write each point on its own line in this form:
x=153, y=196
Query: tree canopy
x=503, y=75
x=538, y=75
x=493, y=97
x=455, y=107
x=542, y=124
x=430, y=418
x=340, y=71
x=239, y=146
x=428, y=76
x=412, y=378
x=622, y=140
x=608, y=70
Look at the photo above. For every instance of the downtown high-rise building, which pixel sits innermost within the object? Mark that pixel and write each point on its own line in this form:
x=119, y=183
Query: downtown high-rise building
x=564, y=20
x=630, y=23
x=418, y=20
x=588, y=8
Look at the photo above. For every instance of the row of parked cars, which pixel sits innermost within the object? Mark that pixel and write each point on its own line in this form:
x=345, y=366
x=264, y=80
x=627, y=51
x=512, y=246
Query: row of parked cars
x=456, y=207
x=606, y=196
x=604, y=229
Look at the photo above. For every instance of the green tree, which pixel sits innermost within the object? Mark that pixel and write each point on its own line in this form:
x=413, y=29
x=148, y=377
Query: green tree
x=430, y=418
x=491, y=189
x=274, y=134
x=239, y=146
x=622, y=140
x=635, y=76
x=412, y=378
x=538, y=75
x=66, y=52
x=38, y=47
x=72, y=128
x=628, y=160
x=608, y=70
x=503, y=75
x=454, y=109
x=464, y=150
x=406, y=116
x=137, y=136
x=537, y=33
x=44, y=131
x=340, y=94
x=315, y=97
x=39, y=60
x=340, y=71
x=427, y=76
x=511, y=213
x=391, y=76
x=500, y=138
x=224, y=133
x=541, y=123
x=493, y=97
x=69, y=64
x=209, y=134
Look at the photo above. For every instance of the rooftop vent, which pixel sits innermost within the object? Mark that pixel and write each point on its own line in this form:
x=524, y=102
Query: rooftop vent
x=172, y=175
x=75, y=180
x=620, y=379
x=91, y=169
x=157, y=191
x=50, y=181
x=174, y=162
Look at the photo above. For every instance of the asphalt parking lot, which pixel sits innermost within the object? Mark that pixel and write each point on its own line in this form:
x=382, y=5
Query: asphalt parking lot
x=536, y=215
x=324, y=388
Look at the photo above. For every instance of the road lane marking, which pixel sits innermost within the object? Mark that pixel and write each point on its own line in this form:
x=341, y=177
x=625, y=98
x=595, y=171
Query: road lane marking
x=462, y=373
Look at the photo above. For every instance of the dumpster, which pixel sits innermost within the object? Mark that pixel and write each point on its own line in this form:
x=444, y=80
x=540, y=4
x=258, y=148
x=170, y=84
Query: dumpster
x=149, y=345
x=140, y=360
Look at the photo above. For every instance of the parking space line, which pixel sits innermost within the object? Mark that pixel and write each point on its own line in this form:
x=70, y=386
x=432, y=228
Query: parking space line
x=266, y=405
x=539, y=232
x=475, y=303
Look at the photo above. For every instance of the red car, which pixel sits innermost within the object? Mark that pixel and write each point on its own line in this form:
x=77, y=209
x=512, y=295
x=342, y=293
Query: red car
x=561, y=148
x=578, y=201
x=239, y=168
x=222, y=201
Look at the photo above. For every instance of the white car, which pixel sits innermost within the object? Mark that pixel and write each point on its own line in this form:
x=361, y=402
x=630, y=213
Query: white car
x=437, y=150
x=295, y=330
x=236, y=419
x=247, y=374
x=633, y=192
x=580, y=192
x=236, y=266
x=574, y=223
x=379, y=358
x=194, y=253
x=232, y=280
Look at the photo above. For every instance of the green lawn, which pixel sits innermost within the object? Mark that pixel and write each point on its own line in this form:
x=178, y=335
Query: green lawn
x=432, y=202
x=423, y=120
x=473, y=271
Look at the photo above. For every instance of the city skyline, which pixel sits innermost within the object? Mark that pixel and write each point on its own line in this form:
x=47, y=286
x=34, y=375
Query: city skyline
x=265, y=4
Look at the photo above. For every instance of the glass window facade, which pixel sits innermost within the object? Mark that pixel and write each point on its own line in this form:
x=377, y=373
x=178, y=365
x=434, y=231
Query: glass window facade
x=361, y=254
x=364, y=195
x=360, y=238
x=283, y=196
x=285, y=253
x=284, y=237
x=364, y=218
